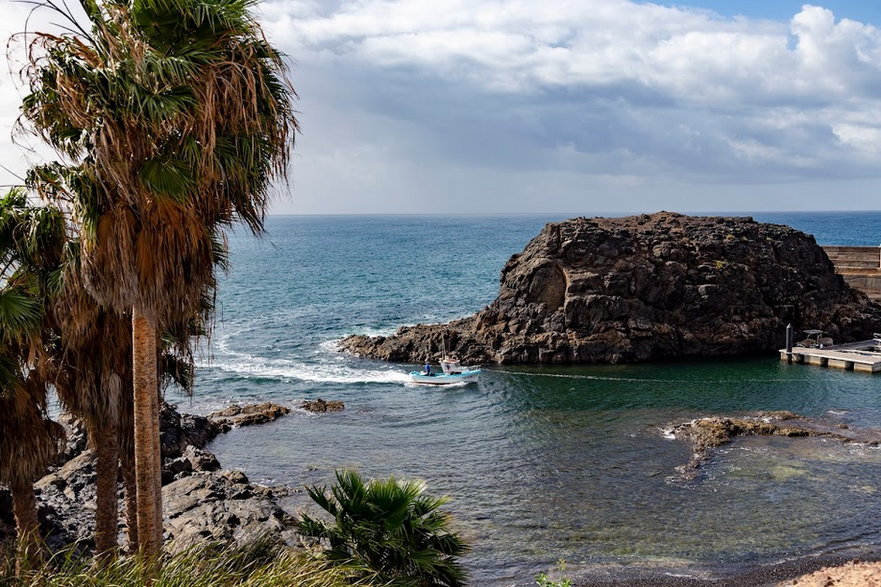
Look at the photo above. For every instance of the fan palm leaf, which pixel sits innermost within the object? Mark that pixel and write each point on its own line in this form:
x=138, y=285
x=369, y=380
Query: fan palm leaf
x=29, y=440
x=390, y=526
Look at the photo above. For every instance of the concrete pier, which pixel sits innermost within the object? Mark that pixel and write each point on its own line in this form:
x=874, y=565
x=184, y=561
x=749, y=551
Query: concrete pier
x=863, y=356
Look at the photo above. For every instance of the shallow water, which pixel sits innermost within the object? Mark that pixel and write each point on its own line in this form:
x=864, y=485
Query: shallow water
x=541, y=464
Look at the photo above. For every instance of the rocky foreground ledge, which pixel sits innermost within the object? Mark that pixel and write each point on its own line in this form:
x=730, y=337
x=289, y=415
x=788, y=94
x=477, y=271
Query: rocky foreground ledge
x=201, y=501
x=606, y=290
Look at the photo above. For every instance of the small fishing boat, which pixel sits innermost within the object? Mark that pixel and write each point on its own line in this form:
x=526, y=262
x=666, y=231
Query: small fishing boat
x=452, y=371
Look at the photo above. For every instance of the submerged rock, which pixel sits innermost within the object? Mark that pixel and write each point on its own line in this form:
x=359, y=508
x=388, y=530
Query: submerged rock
x=706, y=434
x=595, y=290
x=319, y=406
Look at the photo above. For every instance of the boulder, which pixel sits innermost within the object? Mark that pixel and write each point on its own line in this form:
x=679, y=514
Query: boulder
x=66, y=496
x=236, y=416
x=193, y=459
x=660, y=286
x=76, y=438
x=220, y=506
x=7, y=520
x=66, y=503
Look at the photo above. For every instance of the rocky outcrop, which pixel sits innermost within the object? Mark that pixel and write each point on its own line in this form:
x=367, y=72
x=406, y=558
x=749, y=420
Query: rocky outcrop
x=201, y=500
x=319, y=406
x=706, y=434
x=593, y=290
x=236, y=416
x=178, y=431
x=221, y=506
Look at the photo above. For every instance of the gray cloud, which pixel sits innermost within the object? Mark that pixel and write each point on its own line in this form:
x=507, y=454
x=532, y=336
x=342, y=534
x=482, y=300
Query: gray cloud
x=598, y=105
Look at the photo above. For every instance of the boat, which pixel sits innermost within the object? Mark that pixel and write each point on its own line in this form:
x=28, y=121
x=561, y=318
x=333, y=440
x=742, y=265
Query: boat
x=815, y=339
x=452, y=371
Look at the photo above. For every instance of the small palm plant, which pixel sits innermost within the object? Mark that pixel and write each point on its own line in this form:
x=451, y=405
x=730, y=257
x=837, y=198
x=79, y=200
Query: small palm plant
x=390, y=527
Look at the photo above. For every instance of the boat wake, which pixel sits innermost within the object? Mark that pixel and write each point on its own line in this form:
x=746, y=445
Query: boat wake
x=641, y=379
x=325, y=367
x=259, y=367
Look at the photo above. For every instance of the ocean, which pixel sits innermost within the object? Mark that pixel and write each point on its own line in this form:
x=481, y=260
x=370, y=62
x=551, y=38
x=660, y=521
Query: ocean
x=543, y=465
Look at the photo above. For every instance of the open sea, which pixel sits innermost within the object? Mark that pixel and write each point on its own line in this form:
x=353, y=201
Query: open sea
x=542, y=464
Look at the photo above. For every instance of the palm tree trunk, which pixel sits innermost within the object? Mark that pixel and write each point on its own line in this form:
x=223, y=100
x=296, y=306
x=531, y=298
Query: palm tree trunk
x=27, y=526
x=106, y=440
x=148, y=460
x=131, y=504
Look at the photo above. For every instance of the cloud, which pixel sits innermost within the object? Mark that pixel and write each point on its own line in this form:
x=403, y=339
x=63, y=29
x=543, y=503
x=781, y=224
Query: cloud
x=406, y=100
x=611, y=91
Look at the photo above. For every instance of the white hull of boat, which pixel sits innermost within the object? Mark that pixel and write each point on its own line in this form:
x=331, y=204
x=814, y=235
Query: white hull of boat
x=443, y=378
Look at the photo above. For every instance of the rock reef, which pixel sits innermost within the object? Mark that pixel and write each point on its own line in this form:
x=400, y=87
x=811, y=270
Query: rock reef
x=707, y=434
x=660, y=286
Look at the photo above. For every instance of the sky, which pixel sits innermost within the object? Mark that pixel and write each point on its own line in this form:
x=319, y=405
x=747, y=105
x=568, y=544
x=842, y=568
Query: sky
x=563, y=106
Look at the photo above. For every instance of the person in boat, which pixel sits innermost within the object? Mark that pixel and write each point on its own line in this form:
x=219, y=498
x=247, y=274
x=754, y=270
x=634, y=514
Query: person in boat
x=426, y=370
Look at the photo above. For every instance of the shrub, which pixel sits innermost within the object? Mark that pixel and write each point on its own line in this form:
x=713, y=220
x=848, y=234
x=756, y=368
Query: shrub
x=389, y=526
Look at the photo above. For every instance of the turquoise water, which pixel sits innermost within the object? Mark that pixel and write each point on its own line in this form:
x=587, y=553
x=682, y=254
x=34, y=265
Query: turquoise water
x=541, y=464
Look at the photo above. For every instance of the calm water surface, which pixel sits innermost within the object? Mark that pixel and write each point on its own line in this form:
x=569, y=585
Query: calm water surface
x=542, y=464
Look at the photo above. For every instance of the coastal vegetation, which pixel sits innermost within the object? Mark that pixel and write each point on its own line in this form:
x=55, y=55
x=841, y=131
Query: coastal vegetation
x=389, y=526
x=29, y=440
x=261, y=562
x=173, y=118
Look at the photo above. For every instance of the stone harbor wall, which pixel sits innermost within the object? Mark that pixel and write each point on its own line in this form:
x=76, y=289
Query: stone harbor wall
x=660, y=286
x=859, y=266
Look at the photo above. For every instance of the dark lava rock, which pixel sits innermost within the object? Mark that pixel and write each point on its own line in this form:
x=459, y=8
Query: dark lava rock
x=178, y=431
x=606, y=290
x=76, y=437
x=319, y=406
x=236, y=416
x=7, y=520
x=66, y=496
x=220, y=506
x=66, y=499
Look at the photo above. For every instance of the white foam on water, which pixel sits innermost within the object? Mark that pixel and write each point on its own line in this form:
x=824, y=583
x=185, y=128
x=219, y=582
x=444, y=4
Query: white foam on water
x=329, y=366
x=252, y=366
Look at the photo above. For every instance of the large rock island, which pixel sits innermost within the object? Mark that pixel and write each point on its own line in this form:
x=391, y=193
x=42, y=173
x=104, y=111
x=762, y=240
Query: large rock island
x=597, y=290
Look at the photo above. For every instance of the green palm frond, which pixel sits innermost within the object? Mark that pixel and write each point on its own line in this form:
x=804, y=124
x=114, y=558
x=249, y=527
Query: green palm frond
x=389, y=526
x=168, y=178
x=20, y=315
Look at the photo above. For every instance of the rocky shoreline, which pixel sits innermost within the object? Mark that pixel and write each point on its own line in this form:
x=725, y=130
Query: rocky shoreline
x=202, y=501
x=640, y=288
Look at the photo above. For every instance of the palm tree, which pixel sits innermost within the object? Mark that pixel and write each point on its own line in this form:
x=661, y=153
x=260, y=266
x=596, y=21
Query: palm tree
x=389, y=526
x=97, y=370
x=29, y=440
x=179, y=115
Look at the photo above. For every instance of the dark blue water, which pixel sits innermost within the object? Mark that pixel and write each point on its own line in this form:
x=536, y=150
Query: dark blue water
x=542, y=464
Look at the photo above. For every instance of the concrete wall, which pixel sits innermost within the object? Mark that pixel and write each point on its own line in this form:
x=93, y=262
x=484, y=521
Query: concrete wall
x=854, y=257
x=860, y=267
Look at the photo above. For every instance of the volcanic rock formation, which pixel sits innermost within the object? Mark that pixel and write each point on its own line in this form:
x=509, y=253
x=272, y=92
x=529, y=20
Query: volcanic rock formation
x=597, y=290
